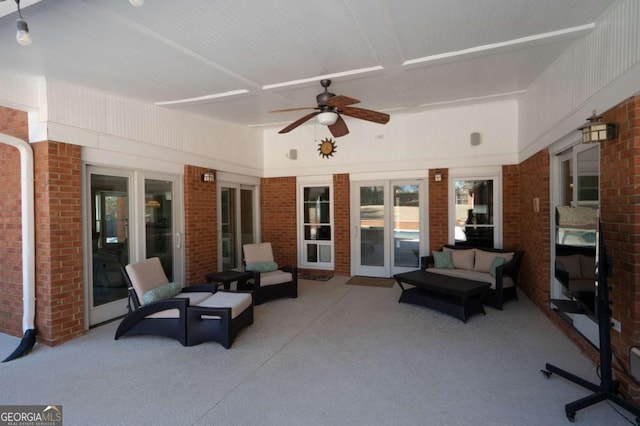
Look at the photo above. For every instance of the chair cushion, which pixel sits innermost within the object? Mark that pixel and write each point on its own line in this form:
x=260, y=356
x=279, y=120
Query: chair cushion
x=164, y=291
x=260, y=252
x=146, y=275
x=261, y=266
x=238, y=302
x=442, y=259
x=275, y=277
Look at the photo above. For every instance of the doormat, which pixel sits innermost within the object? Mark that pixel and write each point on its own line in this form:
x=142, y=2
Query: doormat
x=314, y=277
x=371, y=281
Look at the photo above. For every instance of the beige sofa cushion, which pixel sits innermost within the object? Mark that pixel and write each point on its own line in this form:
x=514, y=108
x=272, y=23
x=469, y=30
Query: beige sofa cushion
x=462, y=259
x=484, y=259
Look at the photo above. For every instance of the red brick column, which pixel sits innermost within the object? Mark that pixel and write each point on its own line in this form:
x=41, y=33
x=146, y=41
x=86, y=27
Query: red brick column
x=620, y=213
x=13, y=123
x=59, y=248
x=342, y=227
x=200, y=225
x=438, y=209
x=510, y=207
x=534, y=227
x=278, y=218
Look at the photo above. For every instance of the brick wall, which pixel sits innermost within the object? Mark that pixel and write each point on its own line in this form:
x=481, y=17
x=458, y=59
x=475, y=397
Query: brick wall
x=13, y=123
x=620, y=213
x=278, y=218
x=534, y=227
x=59, y=248
x=438, y=210
x=510, y=207
x=342, y=224
x=200, y=225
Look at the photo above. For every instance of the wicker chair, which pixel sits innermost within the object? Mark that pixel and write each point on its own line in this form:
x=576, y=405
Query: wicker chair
x=191, y=315
x=268, y=281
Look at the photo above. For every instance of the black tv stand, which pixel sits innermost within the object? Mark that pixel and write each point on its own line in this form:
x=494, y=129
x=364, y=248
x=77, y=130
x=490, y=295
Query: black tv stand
x=608, y=388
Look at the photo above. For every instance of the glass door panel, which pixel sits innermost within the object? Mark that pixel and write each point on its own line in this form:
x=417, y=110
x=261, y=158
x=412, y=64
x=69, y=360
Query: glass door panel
x=236, y=223
x=406, y=226
x=109, y=223
x=388, y=235
x=158, y=218
x=228, y=212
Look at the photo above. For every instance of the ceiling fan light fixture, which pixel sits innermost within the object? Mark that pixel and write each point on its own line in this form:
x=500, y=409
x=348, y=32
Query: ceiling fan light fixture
x=327, y=118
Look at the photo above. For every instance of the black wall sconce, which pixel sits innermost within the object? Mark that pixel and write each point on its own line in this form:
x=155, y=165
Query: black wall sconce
x=209, y=176
x=596, y=130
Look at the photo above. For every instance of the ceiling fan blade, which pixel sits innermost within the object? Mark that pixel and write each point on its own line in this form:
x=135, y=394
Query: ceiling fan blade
x=339, y=128
x=292, y=109
x=366, y=114
x=341, y=101
x=298, y=122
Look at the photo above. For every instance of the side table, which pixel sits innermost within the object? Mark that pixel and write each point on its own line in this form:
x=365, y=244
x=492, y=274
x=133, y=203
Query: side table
x=227, y=277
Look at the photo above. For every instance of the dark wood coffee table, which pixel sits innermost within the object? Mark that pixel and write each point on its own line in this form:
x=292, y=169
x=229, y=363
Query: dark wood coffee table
x=458, y=297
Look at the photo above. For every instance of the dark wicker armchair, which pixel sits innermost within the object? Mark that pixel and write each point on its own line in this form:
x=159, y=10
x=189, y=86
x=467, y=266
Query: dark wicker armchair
x=193, y=315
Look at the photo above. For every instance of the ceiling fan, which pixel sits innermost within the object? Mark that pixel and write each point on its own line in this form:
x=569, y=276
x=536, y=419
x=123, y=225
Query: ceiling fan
x=329, y=110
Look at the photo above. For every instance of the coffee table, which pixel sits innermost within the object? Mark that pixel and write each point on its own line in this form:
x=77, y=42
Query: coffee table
x=227, y=277
x=458, y=297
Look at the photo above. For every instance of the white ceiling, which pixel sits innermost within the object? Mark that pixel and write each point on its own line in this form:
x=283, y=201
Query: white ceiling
x=174, y=50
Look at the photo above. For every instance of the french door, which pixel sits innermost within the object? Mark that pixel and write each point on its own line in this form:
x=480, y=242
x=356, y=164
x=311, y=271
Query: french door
x=130, y=216
x=237, y=222
x=388, y=230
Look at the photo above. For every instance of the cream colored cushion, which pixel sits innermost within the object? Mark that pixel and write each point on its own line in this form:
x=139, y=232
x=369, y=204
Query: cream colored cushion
x=484, y=259
x=238, y=302
x=462, y=259
x=275, y=277
x=260, y=252
x=146, y=275
x=474, y=275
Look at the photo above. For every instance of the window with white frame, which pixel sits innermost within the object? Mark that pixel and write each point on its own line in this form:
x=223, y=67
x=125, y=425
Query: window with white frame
x=315, y=221
x=475, y=211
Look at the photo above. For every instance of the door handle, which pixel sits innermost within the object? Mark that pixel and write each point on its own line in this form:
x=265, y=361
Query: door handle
x=178, y=240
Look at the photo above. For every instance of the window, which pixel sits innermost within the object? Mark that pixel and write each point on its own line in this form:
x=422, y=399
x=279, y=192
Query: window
x=474, y=212
x=316, y=226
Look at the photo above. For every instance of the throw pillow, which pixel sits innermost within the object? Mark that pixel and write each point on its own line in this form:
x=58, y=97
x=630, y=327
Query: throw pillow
x=261, y=266
x=442, y=260
x=462, y=258
x=497, y=261
x=164, y=291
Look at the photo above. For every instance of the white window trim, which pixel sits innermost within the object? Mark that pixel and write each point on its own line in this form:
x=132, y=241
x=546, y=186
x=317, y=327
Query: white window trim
x=488, y=173
x=304, y=182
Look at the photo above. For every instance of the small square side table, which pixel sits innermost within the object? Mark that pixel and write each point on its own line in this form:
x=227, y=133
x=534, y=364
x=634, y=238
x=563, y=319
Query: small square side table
x=227, y=277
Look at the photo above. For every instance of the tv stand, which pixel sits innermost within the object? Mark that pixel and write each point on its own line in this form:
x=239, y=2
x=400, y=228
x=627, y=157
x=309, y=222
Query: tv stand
x=608, y=388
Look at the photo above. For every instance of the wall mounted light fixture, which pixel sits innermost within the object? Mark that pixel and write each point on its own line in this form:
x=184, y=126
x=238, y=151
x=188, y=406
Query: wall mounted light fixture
x=596, y=130
x=209, y=176
x=437, y=176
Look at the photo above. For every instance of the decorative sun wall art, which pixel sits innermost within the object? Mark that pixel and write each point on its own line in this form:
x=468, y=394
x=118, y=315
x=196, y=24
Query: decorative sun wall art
x=327, y=147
